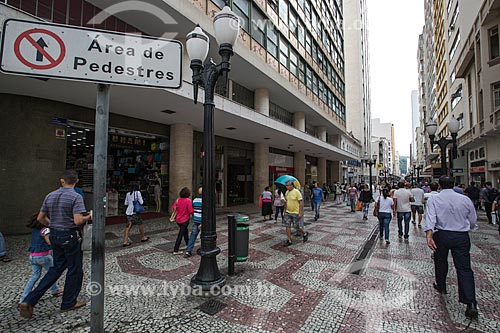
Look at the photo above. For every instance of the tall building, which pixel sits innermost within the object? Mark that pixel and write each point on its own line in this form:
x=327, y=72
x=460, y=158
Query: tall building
x=415, y=121
x=358, y=100
x=383, y=146
x=462, y=43
x=284, y=110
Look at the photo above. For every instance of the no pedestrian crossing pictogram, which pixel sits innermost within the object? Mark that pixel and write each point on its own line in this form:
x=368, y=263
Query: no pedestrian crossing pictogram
x=48, y=50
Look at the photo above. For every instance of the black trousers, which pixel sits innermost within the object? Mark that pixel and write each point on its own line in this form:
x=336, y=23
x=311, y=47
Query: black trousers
x=488, y=206
x=459, y=244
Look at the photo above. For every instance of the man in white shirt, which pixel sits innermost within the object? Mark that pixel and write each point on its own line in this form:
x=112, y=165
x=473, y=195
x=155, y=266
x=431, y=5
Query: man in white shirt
x=417, y=206
x=402, y=198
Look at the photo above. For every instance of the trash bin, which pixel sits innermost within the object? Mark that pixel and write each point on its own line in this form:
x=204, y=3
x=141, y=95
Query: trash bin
x=242, y=237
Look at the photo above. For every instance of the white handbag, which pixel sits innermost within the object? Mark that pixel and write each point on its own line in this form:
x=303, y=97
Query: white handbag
x=87, y=237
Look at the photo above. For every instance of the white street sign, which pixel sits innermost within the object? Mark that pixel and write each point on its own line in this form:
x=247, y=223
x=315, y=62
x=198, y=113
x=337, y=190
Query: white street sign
x=76, y=53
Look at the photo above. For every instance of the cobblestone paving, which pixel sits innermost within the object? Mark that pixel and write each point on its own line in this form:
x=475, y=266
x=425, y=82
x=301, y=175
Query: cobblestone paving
x=302, y=288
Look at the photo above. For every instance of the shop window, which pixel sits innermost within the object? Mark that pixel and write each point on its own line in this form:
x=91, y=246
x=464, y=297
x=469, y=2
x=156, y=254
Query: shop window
x=242, y=9
x=494, y=43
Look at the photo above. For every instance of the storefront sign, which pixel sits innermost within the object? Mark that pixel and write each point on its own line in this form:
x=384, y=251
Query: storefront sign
x=477, y=169
x=76, y=53
x=58, y=121
x=60, y=133
x=279, y=170
x=126, y=142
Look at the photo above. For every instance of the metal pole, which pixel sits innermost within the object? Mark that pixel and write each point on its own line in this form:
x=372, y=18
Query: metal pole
x=98, y=219
x=231, y=227
x=443, y=159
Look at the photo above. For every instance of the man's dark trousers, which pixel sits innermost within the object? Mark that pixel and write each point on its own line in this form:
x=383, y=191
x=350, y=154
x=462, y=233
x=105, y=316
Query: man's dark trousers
x=67, y=253
x=459, y=244
x=488, y=207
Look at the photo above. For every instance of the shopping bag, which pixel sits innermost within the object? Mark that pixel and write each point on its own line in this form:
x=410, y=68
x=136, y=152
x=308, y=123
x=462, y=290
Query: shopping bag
x=359, y=206
x=174, y=213
x=87, y=237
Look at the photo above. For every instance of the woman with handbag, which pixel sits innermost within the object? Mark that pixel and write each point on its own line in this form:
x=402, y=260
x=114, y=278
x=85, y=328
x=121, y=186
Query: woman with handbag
x=384, y=208
x=183, y=207
x=134, y=203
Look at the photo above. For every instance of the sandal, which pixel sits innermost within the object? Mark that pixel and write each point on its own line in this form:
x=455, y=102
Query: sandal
x=145, y=240
x=126, y=244
x=58, y=293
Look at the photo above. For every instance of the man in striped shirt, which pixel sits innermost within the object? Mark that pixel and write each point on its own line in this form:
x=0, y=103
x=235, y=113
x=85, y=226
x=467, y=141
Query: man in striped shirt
x=62, y=210
x=196, y=223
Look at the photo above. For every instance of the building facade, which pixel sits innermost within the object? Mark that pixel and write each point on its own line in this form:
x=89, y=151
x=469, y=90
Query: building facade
x=464, y=39
x=289, y=116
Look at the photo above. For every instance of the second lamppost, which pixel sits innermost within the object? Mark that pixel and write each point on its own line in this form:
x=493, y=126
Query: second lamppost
x=370, y=163
x=453, y=127
x=226, y=26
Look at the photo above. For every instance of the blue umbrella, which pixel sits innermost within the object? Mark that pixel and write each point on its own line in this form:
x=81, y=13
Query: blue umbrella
x=280, y=182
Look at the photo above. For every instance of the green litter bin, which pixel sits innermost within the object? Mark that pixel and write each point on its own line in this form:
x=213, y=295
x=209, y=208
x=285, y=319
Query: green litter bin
x=242, y=237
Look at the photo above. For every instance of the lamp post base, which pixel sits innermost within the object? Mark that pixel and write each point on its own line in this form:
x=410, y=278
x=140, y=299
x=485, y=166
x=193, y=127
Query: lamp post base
x=208, y=277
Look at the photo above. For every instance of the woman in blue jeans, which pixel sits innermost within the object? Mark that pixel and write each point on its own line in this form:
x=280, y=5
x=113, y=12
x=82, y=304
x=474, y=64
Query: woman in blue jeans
x=385, y=209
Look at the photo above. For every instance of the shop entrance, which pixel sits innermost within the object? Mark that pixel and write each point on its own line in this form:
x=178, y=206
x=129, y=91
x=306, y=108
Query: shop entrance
x=239, y=181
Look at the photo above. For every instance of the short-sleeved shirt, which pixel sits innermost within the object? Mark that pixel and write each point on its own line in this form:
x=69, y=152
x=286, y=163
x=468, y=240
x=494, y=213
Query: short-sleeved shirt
x=317, y=194
x=403, y=196
x=385, y=205
x=418, y=194
x=293, y=199
x=60, y=206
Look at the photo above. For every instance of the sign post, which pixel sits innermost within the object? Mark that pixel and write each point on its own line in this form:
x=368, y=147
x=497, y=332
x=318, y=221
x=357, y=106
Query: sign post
x=40, y=49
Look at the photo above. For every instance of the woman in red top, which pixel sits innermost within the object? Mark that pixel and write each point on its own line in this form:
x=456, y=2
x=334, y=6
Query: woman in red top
x=184, y=208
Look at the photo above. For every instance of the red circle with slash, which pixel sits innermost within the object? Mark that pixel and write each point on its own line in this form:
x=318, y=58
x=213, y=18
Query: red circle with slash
x=27, y=35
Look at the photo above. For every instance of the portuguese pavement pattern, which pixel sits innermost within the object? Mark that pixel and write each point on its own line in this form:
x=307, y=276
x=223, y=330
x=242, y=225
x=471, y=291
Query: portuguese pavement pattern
x=307, y=287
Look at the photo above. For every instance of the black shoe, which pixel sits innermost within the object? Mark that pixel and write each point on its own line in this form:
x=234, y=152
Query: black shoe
x=471, y=311
x=287, y=243
x=305, y=237
x=298, y=234
x=444, y=292
x=387, y=242
x=413, y=222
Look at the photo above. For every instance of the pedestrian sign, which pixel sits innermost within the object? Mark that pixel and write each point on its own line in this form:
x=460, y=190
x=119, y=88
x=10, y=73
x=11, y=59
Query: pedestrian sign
x=76, y=53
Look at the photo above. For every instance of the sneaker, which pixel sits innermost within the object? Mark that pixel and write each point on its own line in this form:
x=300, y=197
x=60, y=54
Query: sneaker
x=420, y=225
x=400, y=236
x=187, y=254
x=25, y=310
x=471, y=311
x=305, y=237
x=77, y=305
x=287, y=243
x=413, y=222
x=387, y=242
x=177, y=252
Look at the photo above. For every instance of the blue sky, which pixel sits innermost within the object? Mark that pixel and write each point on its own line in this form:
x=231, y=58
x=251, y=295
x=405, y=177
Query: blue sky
x=393, y=30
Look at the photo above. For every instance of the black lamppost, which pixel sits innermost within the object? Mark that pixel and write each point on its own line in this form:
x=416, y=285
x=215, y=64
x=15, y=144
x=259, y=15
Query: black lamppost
x=370, y=163
x=418, y=168
x=226, y=26
x=453, y=127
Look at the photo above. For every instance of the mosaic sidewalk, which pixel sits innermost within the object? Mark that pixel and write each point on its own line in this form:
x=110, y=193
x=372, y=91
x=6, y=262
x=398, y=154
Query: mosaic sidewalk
x=306, y=287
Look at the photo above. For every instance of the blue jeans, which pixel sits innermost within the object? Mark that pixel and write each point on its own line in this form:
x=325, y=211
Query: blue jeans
x=406, y=216
x=68, y=255
x=3, y=250
x=37, y=263
x=192, y=238
x=383, y=224
x=317, y=207
x=366, y=207
x=353, y=204
x=279, y=210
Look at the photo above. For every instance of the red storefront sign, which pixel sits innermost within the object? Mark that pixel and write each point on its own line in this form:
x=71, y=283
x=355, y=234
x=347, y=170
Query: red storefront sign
x=279, y=170
x=478, y=169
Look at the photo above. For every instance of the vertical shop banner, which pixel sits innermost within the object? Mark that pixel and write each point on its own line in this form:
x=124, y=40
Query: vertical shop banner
x=77, y=53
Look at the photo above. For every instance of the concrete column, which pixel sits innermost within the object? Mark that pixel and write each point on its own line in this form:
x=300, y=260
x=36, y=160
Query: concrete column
x=299, y=121
x=299, y=167
x=181, y=159
x=322, y=170
x=261, y=169
x=321, y=130
x=261, y=101
x=336, y=177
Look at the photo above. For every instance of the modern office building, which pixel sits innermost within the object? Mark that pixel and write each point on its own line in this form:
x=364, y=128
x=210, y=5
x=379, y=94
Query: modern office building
x=383, y=146
x=461, y=42
x=284, y=110
x=357, y=79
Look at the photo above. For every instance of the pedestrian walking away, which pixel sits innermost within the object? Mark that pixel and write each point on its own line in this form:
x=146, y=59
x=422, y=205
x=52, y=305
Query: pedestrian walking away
x=489, y=195
x=63, y=211
x=366, y=197
x=417, y=206
x=197, y=220
x=317, y=198
x=385, y=207
x=402, y=199
x=267, y=204
x=184, y=207
x=352, y=193
x=133, y=217
x=279, y=205
x=40, y=257
x=294, y=208
x=473, y=193
x=448, y=219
